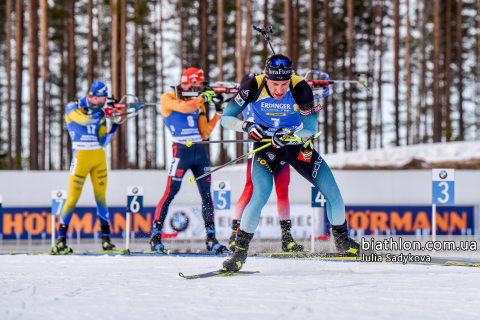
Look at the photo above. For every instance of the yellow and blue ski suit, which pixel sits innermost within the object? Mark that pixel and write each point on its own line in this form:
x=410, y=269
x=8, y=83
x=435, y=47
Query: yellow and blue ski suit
x=89, y=135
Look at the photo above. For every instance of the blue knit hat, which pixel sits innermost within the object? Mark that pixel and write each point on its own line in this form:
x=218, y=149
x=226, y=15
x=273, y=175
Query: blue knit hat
x=98, y=89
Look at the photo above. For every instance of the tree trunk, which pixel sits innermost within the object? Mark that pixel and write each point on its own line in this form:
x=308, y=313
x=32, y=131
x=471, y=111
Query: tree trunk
x=204, y=37
x=240, y=67
x=44, y=72
x=343, y=103
x=437, y=108
x=18, y=82
x=421, y=71
x=350, y=71
x=448, y=71
x=9, y=84
x=160, y=52
x=310, y=32
x=296, y=34
x=477, y=86
x=72, y=73
x=123, y=81
x=371, y=66
x=265, y=25
x=136, y=83
x=461, y=124
x=408, y=71
x=99, y=39
x=61, y=121
x=91, y=62
x=326, y=68
x=248, y=38
x=33, y=79
x=180, y=49
x=380, y=7
x=115, y=54
x=288, y=28
x=220, y=65
x=396, y=10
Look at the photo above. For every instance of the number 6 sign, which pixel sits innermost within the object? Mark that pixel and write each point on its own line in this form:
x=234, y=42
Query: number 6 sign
x=443, y=186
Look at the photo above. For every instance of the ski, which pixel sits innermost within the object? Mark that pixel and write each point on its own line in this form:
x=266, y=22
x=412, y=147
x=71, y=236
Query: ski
x=315, y=256
x=178, y=254
x=217, y=274
x=109, y=252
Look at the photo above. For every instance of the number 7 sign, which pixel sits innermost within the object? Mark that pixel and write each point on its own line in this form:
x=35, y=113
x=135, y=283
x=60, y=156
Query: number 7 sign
x=443, y=186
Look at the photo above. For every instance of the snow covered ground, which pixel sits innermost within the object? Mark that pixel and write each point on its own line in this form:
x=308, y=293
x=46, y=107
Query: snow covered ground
x=120, y=287
x=396, y=157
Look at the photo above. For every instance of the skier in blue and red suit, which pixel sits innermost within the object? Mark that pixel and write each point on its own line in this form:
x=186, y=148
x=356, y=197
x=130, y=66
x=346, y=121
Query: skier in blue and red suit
x=184, y=113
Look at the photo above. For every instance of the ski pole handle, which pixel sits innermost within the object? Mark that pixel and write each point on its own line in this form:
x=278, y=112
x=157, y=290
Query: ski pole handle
x=192, y=179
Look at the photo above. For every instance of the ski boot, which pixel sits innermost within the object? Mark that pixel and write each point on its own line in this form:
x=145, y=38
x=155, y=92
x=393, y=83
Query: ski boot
x=61, y=244
x=233, y=237
x=237, y=260
x=106, y=242
x=343, y=243
x=288, y=244
x=61, y=247
x=211, y=241
x=156, y=239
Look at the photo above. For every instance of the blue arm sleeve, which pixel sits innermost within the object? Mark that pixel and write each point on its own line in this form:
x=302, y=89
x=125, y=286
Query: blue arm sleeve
x=309, y=125
x=106, y=139
x=229, y=118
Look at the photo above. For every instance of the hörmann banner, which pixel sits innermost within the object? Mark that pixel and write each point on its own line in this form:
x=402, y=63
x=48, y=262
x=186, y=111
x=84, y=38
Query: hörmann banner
x=185, y=222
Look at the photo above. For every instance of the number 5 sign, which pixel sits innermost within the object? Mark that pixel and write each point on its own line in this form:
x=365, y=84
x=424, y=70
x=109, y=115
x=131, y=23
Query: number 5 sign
x=443, y=186
x=221, y=195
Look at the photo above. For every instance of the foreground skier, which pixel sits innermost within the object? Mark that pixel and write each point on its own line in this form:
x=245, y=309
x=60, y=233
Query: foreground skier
x=282, y=103
x=282, y=181
x=88, y=131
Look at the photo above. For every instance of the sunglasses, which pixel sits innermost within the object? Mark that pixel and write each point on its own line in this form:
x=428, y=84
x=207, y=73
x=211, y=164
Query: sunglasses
x=275, y=63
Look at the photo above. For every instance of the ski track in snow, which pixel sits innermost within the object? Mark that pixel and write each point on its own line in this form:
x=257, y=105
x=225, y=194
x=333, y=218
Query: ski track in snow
x=106, y=287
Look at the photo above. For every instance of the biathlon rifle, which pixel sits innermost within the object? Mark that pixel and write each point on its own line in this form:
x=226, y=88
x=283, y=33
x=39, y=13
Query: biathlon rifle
x=265, y=32
x=121, y=111
x=324, y=84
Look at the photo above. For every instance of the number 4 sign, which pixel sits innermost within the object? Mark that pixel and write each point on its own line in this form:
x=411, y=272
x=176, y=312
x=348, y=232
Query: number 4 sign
x=443, y=186
x=318, y=199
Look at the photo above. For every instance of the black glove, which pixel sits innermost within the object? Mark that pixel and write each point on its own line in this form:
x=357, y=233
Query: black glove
x=278, y=138
x=255, y=131
x=218, y=101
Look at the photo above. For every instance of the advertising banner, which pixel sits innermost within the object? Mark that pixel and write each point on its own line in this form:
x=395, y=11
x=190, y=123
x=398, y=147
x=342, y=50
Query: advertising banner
x=186, y=222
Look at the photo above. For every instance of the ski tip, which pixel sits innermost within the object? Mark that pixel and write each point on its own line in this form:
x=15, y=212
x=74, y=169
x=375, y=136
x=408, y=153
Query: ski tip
x=181, y=275
x=192, y=179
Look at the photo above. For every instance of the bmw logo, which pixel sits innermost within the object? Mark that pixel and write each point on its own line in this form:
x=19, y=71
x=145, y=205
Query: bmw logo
x=221, y=185
x=443, y=174
x=135, y=190
x=59, y=194
x=179, y=221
